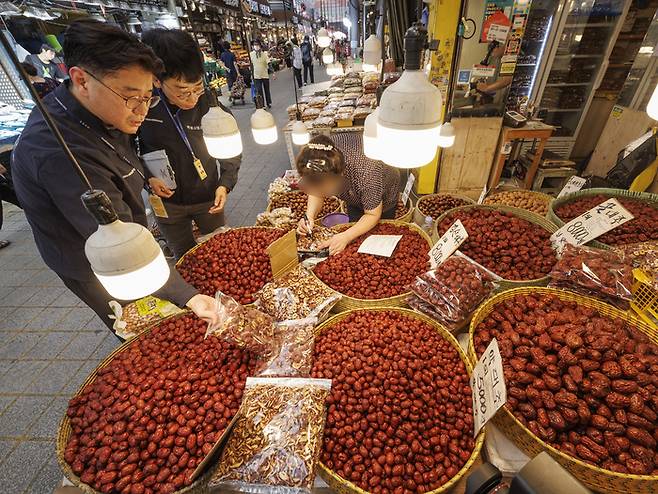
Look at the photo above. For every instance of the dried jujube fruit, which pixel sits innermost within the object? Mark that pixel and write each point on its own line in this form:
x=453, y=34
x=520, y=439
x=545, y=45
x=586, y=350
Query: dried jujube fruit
x=436, y=205
x=297, y=201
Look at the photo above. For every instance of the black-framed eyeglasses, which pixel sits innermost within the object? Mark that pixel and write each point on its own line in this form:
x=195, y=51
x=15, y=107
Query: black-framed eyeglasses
x=185, y=95
x=132, y=102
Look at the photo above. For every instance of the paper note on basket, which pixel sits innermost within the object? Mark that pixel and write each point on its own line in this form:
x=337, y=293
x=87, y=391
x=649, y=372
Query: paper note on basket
x=407, y=188
x=487, y=386
x=448, y=243
x=573, y=184
x=589, y=225
x=380, y=245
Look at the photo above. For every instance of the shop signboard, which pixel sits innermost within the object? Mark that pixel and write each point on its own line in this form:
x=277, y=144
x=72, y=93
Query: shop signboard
x=496, y=12
x=232, y=3
x=265, y=9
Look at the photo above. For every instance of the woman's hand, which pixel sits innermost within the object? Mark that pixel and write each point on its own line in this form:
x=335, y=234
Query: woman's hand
x=159, y=188
x=336, y=244
x=205, y=308
x=220, y=200
x=305, y=226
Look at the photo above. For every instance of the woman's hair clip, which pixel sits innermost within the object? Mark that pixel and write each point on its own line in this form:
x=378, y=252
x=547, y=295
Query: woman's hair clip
x=317, y=166
x=321, y=147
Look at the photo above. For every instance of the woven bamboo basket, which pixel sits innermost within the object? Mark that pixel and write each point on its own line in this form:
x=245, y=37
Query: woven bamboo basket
x=651, y=199
x=521, y=213
x=348, y=303
x=419, y=217
x=342, y=486
x=603, y=481
x=340, y=209
x=199, y=486
x=495, y=199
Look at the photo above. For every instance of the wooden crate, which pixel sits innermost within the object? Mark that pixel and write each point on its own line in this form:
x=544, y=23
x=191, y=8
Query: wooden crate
x=466, y=165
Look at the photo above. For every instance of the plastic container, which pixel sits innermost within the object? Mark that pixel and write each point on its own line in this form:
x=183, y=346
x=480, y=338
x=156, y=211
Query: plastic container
x=334, y=219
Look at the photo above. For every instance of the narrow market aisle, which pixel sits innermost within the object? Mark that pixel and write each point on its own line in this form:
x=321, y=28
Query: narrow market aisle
x=50, y=341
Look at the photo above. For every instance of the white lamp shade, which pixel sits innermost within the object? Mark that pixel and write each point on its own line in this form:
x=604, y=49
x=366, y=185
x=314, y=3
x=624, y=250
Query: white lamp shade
x=327, y=55
x=652, y=106
x=372, y=51
x=323, y=38
x=263, y=127
x=446, y=135
x=127, y=260
x=221, y=134
x=370, y=142
x=409, y=120
x=300, y=134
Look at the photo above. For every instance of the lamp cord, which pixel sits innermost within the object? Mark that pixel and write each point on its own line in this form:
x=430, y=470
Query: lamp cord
x=46, y=115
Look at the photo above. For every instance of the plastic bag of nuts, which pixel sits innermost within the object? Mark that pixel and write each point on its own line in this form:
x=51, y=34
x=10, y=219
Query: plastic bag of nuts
x=453, y=290
x=643, y=256
x=275, y=444
x=297, y=295
x=603, y=274
x=132, y=319
x=295, y=354
x=245, y=327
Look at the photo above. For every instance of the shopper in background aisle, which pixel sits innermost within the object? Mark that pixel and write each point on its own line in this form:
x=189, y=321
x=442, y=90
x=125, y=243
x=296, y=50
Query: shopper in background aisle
x=261, y=61
x=173, y=126
x=297, y=62
x=43, y=85
x=43, y=62
x=228, y=59
x=106, y=99
x=370, y=188
x=307, y=59
x=7, y=194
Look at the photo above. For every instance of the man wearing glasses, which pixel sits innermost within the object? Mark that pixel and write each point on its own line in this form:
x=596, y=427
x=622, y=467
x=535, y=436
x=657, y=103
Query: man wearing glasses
x=98, y=112
x=200, y=185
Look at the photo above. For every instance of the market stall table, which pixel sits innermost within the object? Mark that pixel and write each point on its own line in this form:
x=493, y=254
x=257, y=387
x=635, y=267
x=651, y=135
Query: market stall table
x=510, y=136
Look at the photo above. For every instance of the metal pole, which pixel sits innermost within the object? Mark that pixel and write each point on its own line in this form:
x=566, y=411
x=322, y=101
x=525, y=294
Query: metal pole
x=46, y=115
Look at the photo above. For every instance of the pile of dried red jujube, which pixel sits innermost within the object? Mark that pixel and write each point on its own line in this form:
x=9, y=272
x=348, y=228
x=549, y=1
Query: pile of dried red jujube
x=367, y=276
x=400, y=410
x=297, y=201
x=152, y=414
x=642, y=228
x=235, y=262
x=511, y=247
x=437, y=204
x=581, y=381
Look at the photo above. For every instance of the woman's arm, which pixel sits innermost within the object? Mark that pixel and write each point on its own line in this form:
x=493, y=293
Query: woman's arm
x=367, y=222
x=313, y=208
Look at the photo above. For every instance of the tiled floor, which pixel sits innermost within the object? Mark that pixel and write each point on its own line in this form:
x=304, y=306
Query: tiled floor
x=50, y=341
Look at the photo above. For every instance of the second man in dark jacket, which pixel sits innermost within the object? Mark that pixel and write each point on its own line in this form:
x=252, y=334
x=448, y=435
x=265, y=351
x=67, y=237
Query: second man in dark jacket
x=202, y=183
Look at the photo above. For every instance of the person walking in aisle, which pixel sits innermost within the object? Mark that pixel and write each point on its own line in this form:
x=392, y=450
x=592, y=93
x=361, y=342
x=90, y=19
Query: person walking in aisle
x=98, y=110
x=228, y=59
x=307, y=59
x=173, y=127
x=260, y=61
x=297, y=62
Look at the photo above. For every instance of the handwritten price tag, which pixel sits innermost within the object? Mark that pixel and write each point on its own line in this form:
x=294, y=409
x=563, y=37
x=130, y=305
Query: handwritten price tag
x=591, y=224
x=573, y=184
x=488, y=386
x=483, y=194
x=407, y=188
x=448, y=243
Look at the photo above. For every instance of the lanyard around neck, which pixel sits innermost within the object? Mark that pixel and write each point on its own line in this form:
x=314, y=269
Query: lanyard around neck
x=178, y=125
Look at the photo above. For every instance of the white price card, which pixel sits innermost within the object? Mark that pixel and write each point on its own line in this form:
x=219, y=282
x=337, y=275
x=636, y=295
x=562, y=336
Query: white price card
x=407, y=188
x=497, y=32
x=448, y=243
x=483, y=194
x=589, y=225
x=483, y=71
x=487, y=386
x=380, y=245
x=573, y=184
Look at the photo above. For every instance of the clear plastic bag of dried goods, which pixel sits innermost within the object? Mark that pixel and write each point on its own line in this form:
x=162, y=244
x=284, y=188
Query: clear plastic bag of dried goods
x=275, y=444
x=295, y=354
x=603, y=274
x=643, y=256
x=244, y=326
x=297, y=295
x=453, y=290
x=132, y=319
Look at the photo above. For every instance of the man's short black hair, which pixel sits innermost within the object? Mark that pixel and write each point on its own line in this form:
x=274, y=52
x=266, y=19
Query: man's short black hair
x=227, y=45
x=103, y=48
x=178, y=51
x=47, y=47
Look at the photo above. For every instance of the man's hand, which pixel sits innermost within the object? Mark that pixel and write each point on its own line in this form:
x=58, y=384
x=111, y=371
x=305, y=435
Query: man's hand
x=483, y=87
x=3, y=170
x=305, y=226
x=220, y=200
x=336, y=244
x=205, y=307
x=159, y=188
